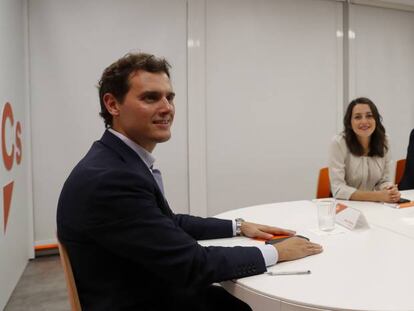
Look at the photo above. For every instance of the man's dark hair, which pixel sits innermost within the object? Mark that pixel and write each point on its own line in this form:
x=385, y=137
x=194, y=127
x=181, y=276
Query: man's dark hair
x=378, y=143
x=115, y=78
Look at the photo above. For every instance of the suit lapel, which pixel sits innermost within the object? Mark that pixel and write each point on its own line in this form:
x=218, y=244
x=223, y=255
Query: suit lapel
x=136, y=163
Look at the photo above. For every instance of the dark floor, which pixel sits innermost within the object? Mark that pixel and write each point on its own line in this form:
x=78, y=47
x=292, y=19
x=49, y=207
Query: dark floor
x=42, y=287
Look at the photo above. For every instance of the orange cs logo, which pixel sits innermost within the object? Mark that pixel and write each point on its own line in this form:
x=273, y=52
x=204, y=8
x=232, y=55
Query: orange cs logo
x=14, y=153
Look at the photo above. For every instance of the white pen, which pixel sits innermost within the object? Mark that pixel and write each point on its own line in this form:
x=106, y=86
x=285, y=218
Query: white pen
x=288, y=272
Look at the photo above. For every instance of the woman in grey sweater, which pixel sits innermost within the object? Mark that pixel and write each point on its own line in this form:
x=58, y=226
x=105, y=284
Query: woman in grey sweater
x=359, y=163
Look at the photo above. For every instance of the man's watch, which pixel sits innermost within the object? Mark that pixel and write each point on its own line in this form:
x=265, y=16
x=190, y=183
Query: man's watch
x=239, y=222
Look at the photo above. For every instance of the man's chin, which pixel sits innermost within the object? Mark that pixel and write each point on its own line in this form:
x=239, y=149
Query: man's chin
x=163, y=139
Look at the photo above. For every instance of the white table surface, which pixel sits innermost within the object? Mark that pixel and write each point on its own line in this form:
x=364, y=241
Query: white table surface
x=400, y=221
x=369, y=269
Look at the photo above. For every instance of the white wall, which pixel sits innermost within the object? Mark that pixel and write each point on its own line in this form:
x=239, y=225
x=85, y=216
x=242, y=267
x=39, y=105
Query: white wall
x=382, y=68
x=407, y=5
x=71, y=43
x=273, y=89
x=16, y=236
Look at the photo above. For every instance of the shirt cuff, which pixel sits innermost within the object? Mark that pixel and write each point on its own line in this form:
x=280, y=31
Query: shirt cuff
x=270, y=254
x=234, y=227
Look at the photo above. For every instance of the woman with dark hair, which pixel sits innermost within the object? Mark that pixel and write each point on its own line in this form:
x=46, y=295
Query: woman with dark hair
x=407, y=181
x=359, y=164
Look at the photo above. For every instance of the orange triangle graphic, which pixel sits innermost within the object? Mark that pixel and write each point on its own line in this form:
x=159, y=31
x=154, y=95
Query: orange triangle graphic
x=7, y=196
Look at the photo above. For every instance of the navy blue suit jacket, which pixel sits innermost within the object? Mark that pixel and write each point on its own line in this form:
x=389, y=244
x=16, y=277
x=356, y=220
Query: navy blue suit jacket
x=128, y=250
x=407, y=181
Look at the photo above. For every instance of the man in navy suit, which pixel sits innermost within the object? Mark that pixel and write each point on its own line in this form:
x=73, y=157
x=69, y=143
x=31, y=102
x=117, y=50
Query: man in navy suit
x=407, y=181
x=128, y=250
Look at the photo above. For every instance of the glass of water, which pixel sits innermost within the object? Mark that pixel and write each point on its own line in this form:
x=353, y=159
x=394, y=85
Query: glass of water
x=326, y=214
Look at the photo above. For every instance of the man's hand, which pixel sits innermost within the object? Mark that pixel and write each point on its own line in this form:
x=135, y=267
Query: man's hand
x=295, y=248
x=253, y=230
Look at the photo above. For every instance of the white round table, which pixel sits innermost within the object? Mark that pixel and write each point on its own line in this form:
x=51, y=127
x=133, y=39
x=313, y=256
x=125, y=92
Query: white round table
x=368, y=269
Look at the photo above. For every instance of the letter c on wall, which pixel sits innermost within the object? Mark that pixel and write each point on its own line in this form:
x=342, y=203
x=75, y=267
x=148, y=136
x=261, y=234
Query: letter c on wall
x=7, y=157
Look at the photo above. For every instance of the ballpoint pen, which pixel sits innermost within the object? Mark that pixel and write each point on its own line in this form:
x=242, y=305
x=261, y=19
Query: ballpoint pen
x=288, y=272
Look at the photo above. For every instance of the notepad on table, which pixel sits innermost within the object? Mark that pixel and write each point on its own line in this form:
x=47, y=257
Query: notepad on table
x=400, y=205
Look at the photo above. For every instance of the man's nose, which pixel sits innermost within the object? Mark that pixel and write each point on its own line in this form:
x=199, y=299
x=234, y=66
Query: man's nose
x=166, y=104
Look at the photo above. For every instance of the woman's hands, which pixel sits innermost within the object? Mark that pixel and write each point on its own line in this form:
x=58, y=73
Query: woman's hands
x=390, y=194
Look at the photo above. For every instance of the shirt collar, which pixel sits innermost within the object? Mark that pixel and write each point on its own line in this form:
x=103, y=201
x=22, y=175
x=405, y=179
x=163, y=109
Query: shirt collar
x=145, y=156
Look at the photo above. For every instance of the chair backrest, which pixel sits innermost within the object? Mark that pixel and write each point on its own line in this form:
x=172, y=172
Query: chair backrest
x=70, y=280
x=324, y=186
x=399, y=170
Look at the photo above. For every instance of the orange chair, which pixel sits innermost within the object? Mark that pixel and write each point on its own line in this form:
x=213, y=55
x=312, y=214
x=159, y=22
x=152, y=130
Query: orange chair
x=324, y=186
x=70, y=280
x=399, y=170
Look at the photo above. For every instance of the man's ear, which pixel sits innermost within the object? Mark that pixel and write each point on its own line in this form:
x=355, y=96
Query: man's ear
x=111, y=104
